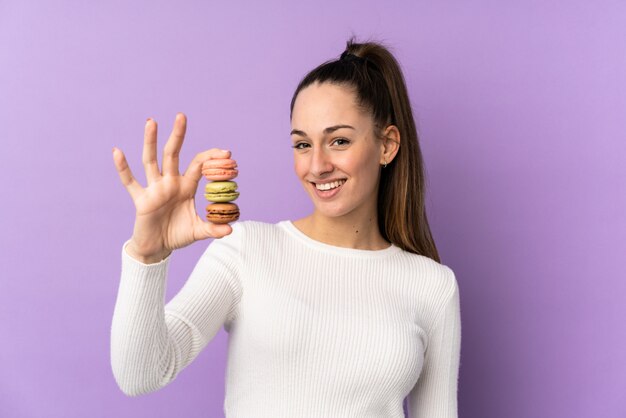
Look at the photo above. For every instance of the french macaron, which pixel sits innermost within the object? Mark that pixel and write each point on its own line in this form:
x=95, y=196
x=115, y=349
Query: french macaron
x=221, y=191
x=222, y=213
x=219, y=169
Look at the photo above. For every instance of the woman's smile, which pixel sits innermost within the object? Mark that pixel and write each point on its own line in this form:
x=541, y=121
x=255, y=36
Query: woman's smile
x=328, y=189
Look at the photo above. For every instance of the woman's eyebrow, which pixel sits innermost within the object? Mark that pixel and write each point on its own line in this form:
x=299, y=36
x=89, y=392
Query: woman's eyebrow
x=298, y=132
x=327, y=131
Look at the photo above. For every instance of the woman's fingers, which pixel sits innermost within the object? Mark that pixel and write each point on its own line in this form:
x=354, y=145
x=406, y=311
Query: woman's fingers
x=172, y=148
x=126, y=176
x=194, y=170
x=149, y=156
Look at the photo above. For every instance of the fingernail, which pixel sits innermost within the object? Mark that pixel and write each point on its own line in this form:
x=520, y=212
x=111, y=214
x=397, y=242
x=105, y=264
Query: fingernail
x=225, y=150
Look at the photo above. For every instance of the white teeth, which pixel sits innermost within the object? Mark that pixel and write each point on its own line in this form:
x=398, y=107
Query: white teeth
x=328, y=186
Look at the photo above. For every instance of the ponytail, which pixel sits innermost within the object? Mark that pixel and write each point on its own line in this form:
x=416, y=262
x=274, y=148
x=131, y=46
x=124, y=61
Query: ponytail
x=375, y=75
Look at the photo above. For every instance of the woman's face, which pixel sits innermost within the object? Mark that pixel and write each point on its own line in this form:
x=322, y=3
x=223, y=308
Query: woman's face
x=337, y=156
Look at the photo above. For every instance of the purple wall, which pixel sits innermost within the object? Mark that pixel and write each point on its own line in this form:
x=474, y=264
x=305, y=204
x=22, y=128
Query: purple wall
x=522, y=114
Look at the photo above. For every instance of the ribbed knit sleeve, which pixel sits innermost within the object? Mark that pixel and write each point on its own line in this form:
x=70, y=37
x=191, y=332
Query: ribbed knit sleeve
x=152, y=342
x=435, y=393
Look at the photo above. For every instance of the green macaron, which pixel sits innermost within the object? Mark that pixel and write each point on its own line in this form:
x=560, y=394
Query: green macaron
x=221, y=191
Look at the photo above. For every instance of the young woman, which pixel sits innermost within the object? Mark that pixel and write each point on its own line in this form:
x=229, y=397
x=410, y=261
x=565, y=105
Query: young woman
x=343, y=313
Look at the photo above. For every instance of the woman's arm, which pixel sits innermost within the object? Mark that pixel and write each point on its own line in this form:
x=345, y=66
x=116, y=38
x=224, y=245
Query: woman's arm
x=151, y=343
x=435, y=393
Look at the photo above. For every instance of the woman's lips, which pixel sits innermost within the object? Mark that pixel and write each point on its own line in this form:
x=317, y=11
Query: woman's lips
x=327, y=194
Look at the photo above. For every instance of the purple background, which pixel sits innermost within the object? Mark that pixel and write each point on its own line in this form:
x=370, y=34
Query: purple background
x=521, y=110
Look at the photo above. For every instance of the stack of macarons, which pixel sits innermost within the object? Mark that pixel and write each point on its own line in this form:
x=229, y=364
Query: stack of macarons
x=220, y=190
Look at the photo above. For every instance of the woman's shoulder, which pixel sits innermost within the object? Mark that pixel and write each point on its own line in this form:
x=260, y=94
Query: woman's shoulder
x=251, y=230
x=252, y=227
x=433, y=286
x=441, y=275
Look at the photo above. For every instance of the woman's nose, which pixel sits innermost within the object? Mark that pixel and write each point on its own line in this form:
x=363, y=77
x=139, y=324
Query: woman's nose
x=320, y=163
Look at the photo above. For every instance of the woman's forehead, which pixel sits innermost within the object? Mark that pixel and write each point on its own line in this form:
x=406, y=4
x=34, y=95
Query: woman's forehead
x=319, y=106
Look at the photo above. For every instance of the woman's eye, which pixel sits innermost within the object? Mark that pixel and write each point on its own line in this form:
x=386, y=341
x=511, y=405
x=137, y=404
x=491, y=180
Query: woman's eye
x=341, y=141
x=300, y=145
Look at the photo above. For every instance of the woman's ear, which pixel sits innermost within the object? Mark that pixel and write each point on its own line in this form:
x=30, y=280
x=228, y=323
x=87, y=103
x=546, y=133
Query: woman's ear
x=390, y=144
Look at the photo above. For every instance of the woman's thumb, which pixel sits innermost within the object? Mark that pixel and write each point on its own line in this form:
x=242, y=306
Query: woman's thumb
x=209, y=229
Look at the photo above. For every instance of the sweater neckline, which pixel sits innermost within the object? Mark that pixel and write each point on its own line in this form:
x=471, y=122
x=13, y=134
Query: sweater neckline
x=288, y=226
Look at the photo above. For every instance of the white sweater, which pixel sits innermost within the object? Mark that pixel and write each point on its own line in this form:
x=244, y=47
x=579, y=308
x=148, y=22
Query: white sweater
x=315, y=330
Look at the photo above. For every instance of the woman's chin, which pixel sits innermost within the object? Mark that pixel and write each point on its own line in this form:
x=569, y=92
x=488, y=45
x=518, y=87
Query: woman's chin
x=330, y=211
x=336, y=209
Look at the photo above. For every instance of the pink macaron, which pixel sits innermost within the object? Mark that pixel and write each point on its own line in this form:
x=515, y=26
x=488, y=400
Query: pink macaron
x=219, y=169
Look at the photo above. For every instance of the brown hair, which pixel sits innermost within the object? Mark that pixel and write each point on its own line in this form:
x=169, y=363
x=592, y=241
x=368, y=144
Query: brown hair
x=373, y=73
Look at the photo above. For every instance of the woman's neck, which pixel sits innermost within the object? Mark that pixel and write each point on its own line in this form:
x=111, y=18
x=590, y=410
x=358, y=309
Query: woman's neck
x=350, y=232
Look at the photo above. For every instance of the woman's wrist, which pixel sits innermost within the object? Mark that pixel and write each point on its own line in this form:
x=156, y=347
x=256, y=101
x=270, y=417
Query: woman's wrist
x=145, y=257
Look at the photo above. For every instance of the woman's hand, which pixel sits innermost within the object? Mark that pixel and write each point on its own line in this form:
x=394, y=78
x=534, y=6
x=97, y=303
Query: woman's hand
x=166, y=217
